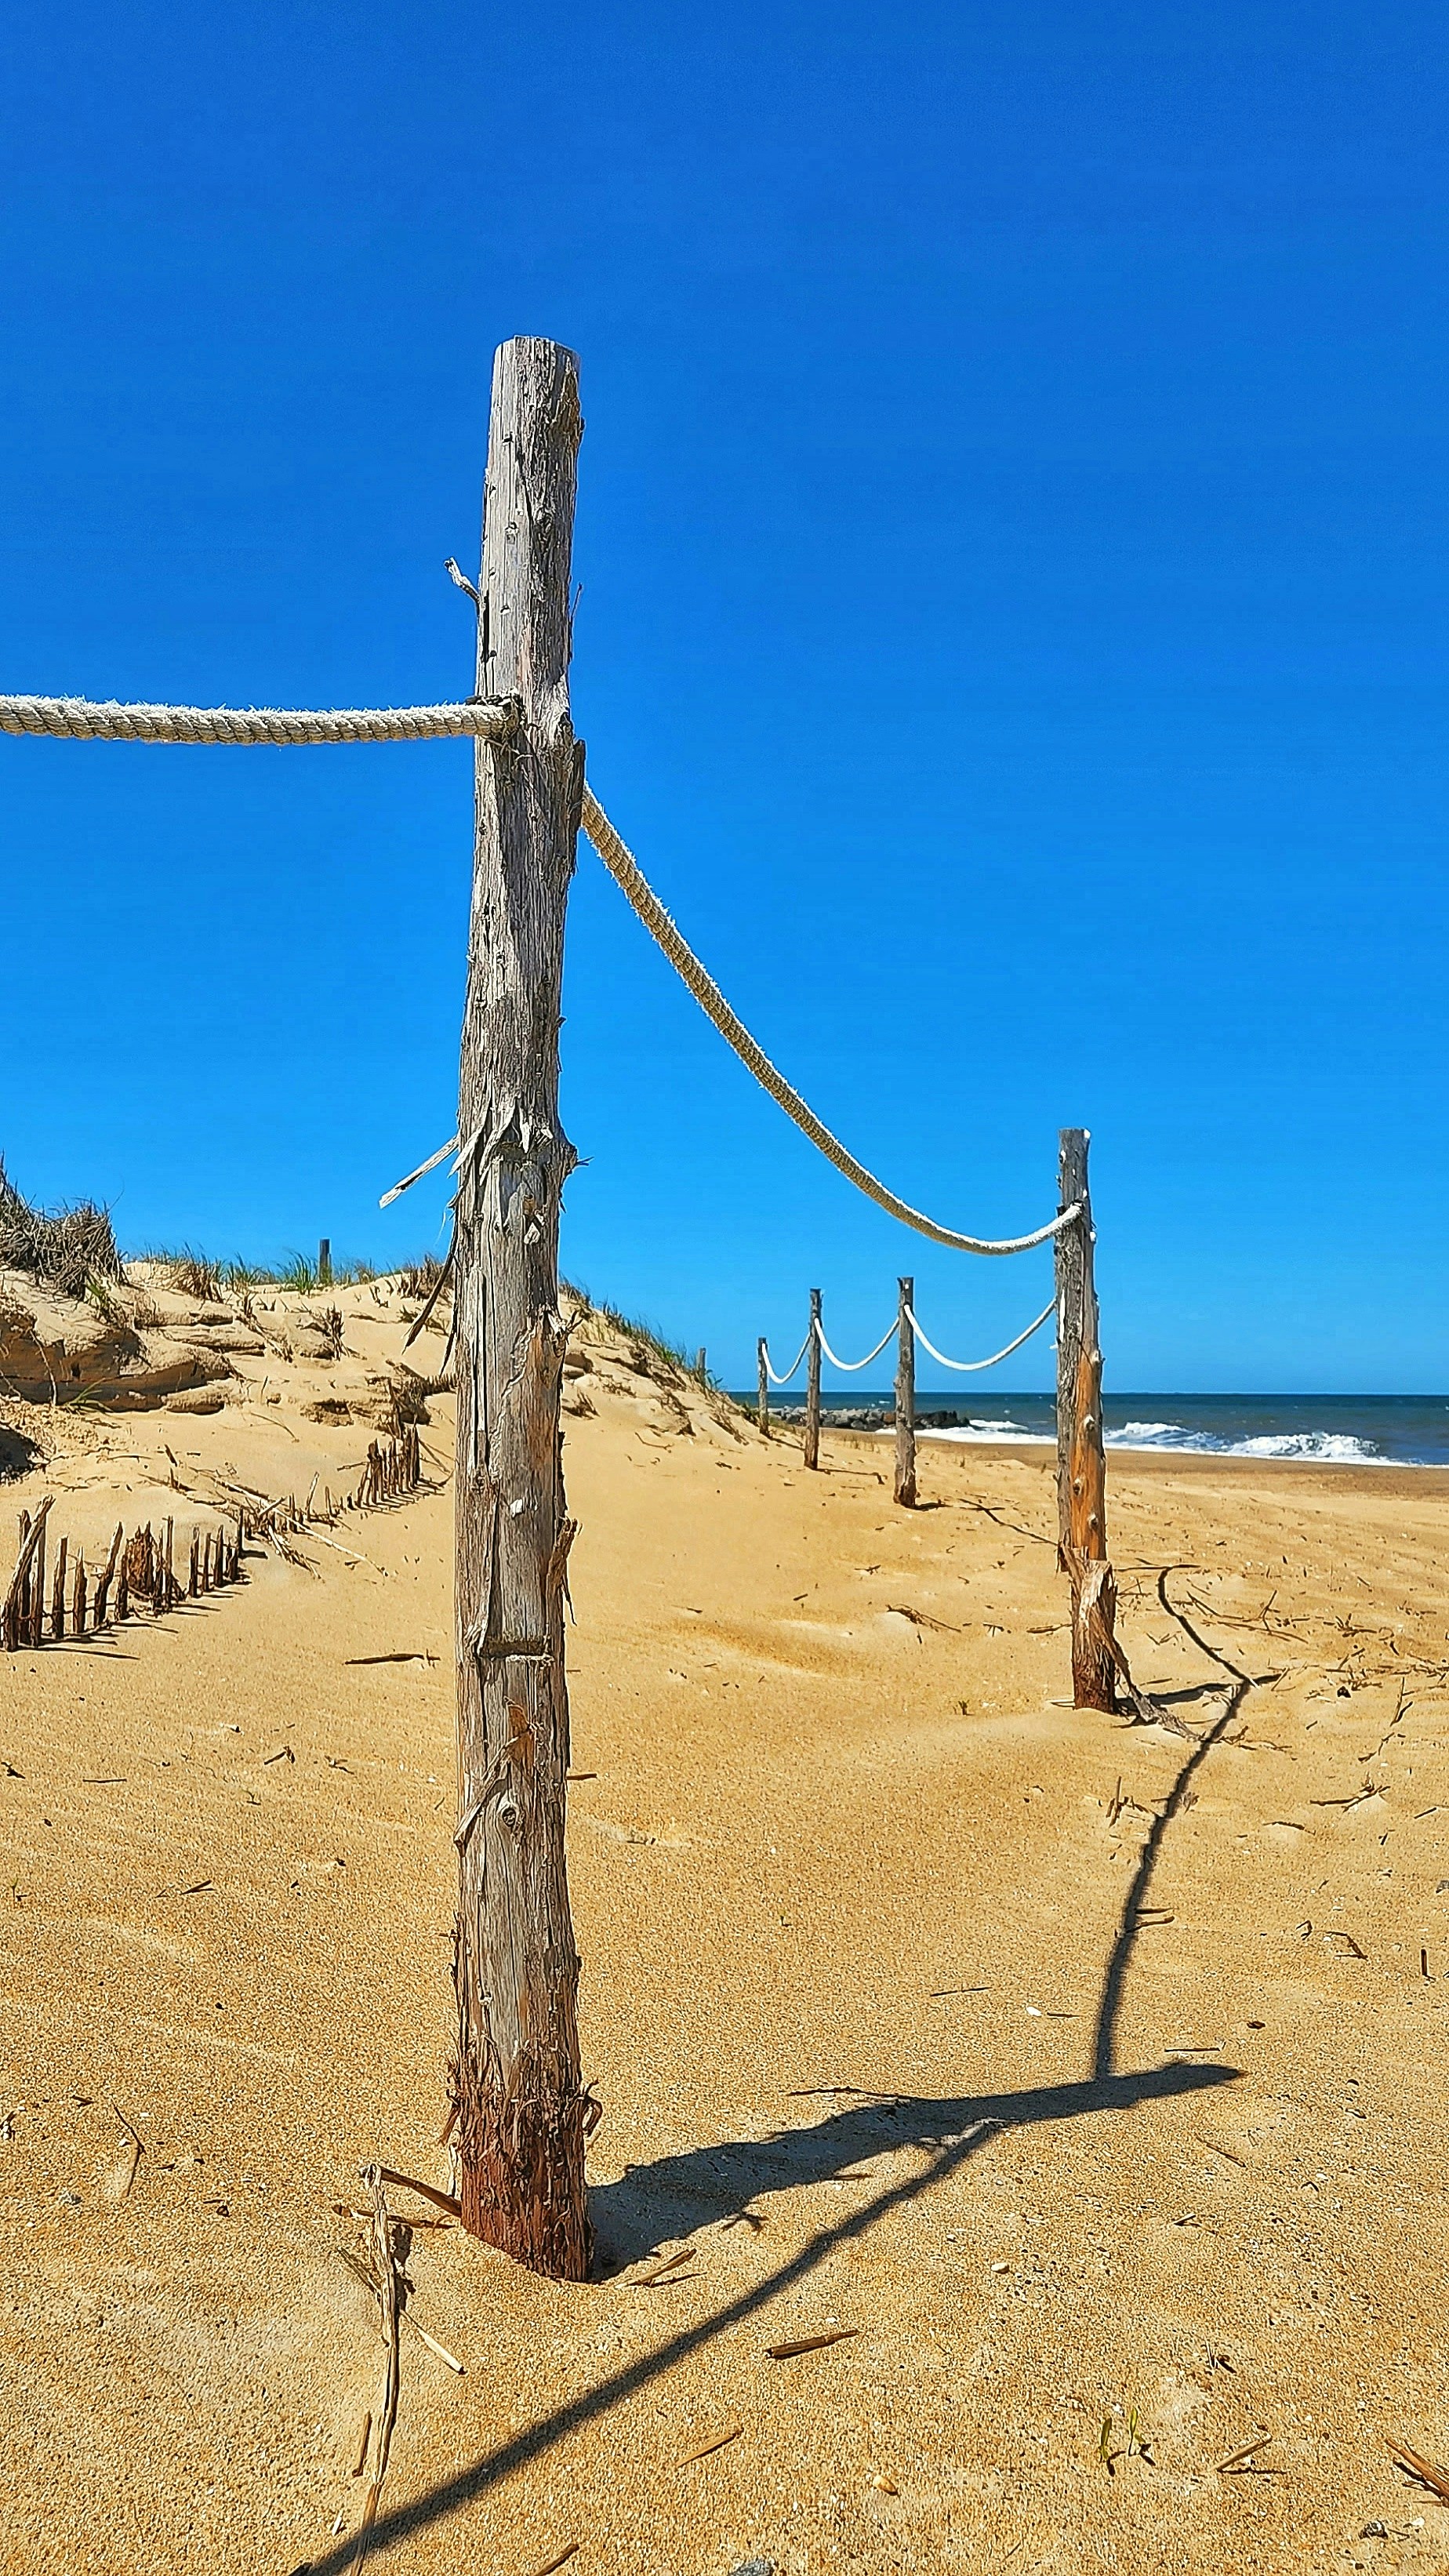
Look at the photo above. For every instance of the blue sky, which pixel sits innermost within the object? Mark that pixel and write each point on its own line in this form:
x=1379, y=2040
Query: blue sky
x=1012, y=538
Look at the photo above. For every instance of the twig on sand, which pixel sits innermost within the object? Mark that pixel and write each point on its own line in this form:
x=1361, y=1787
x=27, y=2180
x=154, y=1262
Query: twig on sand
x=137, y=2152
x=388, y=2291
x=408, y=2182
x=810, y=2343
x=1240, y=2459
x=716, y=2442
x=1414, y=2465
x=569, y=2550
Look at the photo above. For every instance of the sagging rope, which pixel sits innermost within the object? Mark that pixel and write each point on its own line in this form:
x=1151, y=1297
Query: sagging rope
x=965, y=1366
x=626, y=873
x=850, y=1366
x=83, y=720
x=490, y=720
x=817, y=1330
x=794, y=1364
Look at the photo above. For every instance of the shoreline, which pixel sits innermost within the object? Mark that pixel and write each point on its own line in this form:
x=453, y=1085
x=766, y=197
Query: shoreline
x=1339, y=1476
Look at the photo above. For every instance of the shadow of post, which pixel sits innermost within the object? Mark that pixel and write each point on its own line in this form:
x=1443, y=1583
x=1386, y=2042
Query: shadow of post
x=949, y=2131
x=1115, y=1979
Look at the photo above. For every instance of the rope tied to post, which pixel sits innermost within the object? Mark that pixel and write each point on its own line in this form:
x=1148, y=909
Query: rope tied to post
x=86, y=720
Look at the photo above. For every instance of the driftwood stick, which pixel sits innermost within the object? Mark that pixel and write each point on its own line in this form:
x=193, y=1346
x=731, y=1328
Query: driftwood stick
x=385, y=2271
x=17, y=1598
x=37, y=1587
x=103, y=1588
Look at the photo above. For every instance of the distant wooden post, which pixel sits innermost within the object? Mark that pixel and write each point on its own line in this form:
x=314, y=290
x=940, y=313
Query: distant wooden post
x=763, y=1378
x=906, y=1399
x=1081, y=1460
x=700, y=1370
x=324, y=1263
x=520, y=2111
x=812, y=1385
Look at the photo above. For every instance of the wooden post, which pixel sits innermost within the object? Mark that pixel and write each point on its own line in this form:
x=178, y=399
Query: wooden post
x=324, y=1263
x=812, y=1385
x=1081, y=1460
x=764, y=1385
x=906, y=1398
x=57, y=1593
x=520, y=2111
x=78, y=1597
x=37, y=1588
x=700, y=1369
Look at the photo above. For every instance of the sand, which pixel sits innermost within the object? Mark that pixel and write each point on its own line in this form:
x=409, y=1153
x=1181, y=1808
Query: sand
x=1088, y=2080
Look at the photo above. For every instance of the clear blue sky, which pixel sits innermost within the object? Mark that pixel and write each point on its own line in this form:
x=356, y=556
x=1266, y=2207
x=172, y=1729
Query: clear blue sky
x=1013, y=547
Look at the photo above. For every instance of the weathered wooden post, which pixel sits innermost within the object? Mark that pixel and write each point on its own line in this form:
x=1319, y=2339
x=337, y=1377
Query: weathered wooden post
x=812, y=1385
x=1081, y=1460
x=763, y=1384
x=906, y=1398
x=324, y=1263
x=520, y=2111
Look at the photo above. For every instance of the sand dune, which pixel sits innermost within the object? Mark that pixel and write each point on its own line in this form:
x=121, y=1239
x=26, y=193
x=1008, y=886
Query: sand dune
x=1087, y=2081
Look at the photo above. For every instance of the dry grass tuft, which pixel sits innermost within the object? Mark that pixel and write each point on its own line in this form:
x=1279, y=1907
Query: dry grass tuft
x=66, y=1250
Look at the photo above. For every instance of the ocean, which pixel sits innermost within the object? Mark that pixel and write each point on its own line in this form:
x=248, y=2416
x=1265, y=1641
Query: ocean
x=1334, y=1430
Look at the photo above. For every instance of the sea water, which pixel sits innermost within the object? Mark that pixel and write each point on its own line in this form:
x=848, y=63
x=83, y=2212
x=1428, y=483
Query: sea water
x=1333, y=1430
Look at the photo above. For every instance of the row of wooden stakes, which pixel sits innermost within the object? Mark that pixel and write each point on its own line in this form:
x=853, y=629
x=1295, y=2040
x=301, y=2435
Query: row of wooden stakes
x=397, y=1469
x=139, y=1570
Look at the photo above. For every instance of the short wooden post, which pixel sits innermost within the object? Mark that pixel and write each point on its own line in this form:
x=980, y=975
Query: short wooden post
x=193, y=1579
x=906, y=1397
x=78, y=1596
x=520, y=2110
x=103, y=1588
x=57, y=1596
x=812, y=1385
x=763, y=1377
x=324, y=1263
x=37, y=1590
x=1081, y=1459
x=700, y=1369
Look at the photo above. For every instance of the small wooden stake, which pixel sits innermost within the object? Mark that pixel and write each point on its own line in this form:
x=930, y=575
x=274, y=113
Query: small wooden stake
x=812, y=1385
x=324, y=1263
x=764, y=1384
x=1081, y=1459
x=57, y=1596
x=78, y=1597
x=906, y=1398
x=37, y=1588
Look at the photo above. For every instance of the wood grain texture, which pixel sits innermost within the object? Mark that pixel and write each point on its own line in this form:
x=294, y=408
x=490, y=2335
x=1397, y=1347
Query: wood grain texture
x=906, y=1398
x=1081, y=1459
x=520, y=2107
x=812, y=1386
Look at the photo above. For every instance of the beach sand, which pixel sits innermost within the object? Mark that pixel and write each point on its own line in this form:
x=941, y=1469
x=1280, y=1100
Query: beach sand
x=1088, y=2080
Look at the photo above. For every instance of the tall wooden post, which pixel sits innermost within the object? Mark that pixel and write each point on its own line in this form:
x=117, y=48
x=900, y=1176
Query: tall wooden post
x=906, y=1399
x=1081, y=1460
x=519, y=2106
x=324, y=1263
x=812, y=1385
x=762, y=1376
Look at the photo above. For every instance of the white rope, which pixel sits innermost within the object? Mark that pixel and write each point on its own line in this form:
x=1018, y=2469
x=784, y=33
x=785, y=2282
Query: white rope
x=848, y=1365
x=81, y=720
x=966, y=1365
x=624, y=869
x=794, y=1364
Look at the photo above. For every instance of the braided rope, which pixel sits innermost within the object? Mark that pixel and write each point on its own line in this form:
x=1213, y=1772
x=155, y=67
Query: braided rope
x=849, y=1365
x=626, y=873
x=794, y=1364
x=81, y=720
x=965, y=1366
